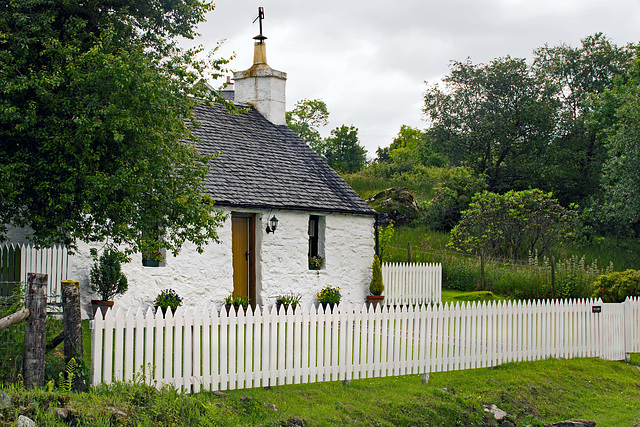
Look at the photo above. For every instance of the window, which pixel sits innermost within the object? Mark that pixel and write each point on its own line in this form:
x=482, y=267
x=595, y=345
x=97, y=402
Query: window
x=316, y=242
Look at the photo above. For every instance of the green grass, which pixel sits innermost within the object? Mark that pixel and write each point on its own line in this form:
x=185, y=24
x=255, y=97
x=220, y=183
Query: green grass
x=550, y=390
x=451, y=295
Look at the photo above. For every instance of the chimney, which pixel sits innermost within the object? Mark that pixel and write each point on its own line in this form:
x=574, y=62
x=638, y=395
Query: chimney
x=261, y=86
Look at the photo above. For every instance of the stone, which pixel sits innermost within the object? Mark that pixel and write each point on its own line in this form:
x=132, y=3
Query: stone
x=218, y=393
x=246, y=398
x=498, y=413
x=575, y=423
x=271, y=406
x=115, y=411
x=294, y=422
x=398, y=203
x=5, y=400
x=62, y=413
x=25, y=422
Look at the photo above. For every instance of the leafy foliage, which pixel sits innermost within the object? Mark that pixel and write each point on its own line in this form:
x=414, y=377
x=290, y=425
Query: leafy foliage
x=329, y=295
x=342, y=150
x=376, y=287
x=616, y=287
x=168, y=298
x=305, y=119
x=97, y=101
x=513, y=225
x=107, y=278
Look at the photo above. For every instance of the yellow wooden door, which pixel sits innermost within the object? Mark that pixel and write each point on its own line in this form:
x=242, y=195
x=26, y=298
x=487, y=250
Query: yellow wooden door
x=240, y=250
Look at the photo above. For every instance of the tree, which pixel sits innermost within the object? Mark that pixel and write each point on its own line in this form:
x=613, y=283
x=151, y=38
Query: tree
x=619, y=206
x=96, y=99
x=342, y=150
x=496, y=119
x=513, y=225
x=305, y=119
x=577, y=74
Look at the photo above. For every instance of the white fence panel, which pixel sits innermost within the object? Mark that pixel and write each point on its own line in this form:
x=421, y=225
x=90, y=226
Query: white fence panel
x=412, y=283
x=211, y=349
x=17, y=260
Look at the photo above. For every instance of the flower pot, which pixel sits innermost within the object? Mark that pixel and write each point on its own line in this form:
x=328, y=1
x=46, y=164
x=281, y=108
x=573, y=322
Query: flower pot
x=287, y=308
x=228, y=308
x=375, y=300
x=103, y=306
x=164, y=310
x=329, y=305
x=150, y=262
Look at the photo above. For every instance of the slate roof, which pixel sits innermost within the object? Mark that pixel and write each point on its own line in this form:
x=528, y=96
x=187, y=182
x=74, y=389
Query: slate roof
x=262, y=165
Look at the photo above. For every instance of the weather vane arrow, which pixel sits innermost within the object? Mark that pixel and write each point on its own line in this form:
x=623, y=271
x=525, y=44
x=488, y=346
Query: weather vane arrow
x=260, y=17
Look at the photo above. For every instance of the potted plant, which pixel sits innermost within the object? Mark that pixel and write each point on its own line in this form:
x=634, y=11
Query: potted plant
x=329, y=297
x=291, y=300
x=167, y=299
x=316, y=262
x=236, y=302
x=376, y=287
x=107, y=279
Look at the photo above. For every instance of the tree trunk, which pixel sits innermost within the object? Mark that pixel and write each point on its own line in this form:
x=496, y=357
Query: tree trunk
x=35, y=335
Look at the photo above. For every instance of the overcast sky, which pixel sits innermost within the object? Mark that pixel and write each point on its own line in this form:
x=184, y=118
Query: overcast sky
x=369, y=60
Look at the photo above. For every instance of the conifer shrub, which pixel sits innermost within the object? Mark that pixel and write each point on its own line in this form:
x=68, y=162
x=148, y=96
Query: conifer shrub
x=377, y=286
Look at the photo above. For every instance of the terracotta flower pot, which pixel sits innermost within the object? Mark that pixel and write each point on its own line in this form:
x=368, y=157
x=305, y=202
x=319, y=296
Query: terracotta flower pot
x=102, y=305
x=375, y=300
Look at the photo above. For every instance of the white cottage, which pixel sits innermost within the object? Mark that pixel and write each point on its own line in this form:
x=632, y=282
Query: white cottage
x=263, y=171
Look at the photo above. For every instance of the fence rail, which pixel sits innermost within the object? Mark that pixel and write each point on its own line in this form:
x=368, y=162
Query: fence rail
x=210, y=350
x=412, y=283
x=17, y=260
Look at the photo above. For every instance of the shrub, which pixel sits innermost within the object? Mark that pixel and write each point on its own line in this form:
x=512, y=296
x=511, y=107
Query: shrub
x=168, y=298
x=376, y=287
x=107, y=279
x=329, y=295
x=616, y=287
x=459, y=276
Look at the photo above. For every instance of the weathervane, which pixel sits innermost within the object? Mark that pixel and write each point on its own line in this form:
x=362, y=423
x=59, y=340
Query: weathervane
x=260, y=17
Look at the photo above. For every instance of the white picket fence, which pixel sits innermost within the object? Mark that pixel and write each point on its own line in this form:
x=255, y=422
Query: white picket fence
x=412, y=283
x=17, y=260
x=209, y=350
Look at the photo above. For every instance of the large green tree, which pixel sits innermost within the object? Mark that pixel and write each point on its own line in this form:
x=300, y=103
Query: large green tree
x=576, y=74
x=96, y=98
x=619, y=206
x=342, y=150
x=306, y=117
x=496, y=119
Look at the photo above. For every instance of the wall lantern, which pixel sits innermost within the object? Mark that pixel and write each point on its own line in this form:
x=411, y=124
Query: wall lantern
x=273, y=224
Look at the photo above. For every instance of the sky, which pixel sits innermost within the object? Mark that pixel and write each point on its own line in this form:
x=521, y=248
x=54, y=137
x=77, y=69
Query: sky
x=370, y=61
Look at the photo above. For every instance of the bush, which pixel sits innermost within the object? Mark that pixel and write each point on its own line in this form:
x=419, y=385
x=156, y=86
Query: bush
x=616, y=287
x=376, y=287
x=459, y=276
x=107, y=279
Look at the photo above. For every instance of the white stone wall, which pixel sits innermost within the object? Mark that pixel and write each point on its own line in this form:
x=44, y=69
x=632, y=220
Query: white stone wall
x=281, y=264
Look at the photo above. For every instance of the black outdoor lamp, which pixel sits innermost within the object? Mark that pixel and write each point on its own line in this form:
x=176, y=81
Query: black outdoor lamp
x=273, y=224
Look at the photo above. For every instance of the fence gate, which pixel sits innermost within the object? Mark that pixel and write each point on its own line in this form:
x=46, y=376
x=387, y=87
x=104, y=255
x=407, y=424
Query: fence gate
x=17, y=260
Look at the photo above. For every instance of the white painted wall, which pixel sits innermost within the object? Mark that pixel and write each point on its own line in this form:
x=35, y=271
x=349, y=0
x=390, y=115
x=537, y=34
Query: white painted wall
x=281, y=264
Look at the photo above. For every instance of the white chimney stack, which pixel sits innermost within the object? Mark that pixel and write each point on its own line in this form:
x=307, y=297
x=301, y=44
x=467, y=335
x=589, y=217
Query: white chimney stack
x=261, y=86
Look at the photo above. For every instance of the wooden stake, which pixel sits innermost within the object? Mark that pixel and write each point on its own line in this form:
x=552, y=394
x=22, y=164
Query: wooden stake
x=72, y=319
x=13, y=318
x=35, y=334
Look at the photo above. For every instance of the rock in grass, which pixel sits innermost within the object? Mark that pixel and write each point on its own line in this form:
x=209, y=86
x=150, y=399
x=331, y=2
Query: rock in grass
x=575, y=423
x=271, y=406
x=498, y=413
x=5, y=400
x=219, y=394
x=294, y=422
x=25, y=422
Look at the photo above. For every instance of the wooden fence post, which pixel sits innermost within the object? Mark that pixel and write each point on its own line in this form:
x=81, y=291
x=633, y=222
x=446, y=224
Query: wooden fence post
x=482, y=284
x=35, y=334
x=72, y=319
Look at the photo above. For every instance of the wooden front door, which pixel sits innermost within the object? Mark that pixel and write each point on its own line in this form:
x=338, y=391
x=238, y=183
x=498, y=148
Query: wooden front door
x=243, y=236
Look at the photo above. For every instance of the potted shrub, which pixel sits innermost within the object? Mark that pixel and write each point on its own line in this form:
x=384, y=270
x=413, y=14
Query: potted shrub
x=376, y=287
x=236, y=302
x=329, y=297
x=107, y=279
x=291, y=300
x=167, y=299
x=316, y=262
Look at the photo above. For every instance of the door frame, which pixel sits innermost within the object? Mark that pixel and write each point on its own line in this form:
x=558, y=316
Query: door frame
x=251, y=224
